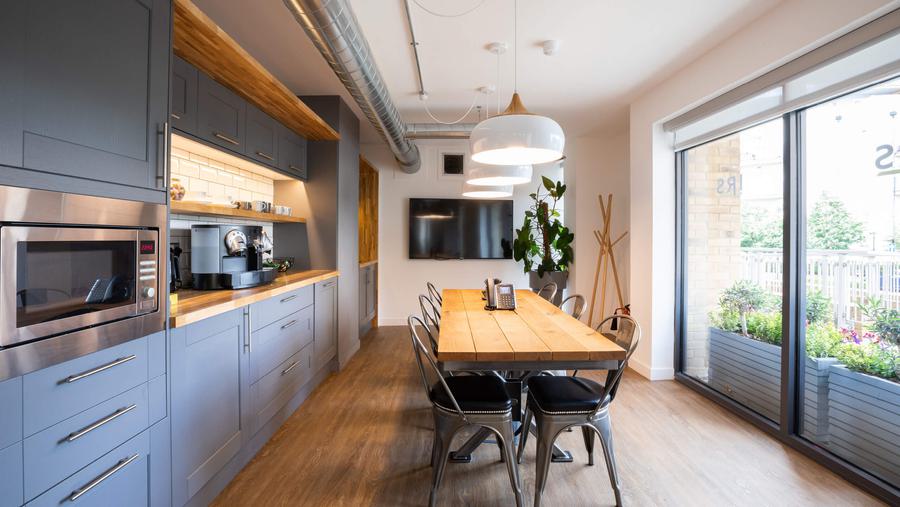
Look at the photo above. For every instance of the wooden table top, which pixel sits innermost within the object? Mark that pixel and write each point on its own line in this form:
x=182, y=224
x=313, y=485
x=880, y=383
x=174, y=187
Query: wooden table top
x=196, y=305
x=535, y=331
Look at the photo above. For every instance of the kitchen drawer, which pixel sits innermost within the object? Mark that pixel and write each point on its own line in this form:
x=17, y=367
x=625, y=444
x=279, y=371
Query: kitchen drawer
x=50, y=456
x=277, y=307
x=10, y=412
x=119, y=478
x=63, y=390
x=279, y=386
x=11, y=475
x=273, y=344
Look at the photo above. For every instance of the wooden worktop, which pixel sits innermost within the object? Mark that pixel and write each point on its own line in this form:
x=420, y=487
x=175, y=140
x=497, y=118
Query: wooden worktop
x=196, y=305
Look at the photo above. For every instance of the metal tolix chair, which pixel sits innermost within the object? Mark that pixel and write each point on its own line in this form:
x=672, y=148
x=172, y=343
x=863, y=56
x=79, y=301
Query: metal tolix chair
x=558, y=403
x=461, y=401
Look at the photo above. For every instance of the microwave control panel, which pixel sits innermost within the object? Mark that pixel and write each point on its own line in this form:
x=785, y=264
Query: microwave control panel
x=148, y=276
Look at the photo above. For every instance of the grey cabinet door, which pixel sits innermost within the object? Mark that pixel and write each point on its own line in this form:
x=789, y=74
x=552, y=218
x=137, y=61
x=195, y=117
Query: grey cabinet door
x=222, y=115
x=184, y=96
x=93, y=81
x=363, y=293
x=12, y=54
x=210, y=400
x=371, y=292
x=262, y=137
x=325, y=332
x=291, y=153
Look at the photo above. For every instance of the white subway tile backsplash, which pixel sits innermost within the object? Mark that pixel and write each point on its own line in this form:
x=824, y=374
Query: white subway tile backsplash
x=216, y=190
x=224, y=177
x=200, y=159
x=189, y=168
x=178, y=152
x=198, y=185
x=215, y=164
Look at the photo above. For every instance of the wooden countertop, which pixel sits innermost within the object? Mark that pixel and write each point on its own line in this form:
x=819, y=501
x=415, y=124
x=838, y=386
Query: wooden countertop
x=368, y=263
x=196, y=305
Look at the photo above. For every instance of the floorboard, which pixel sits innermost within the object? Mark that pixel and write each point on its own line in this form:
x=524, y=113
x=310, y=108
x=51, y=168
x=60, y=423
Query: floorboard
x=364, y=438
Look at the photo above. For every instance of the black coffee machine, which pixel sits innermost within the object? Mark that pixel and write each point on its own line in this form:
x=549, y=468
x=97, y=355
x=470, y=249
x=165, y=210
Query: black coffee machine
x=228, y=257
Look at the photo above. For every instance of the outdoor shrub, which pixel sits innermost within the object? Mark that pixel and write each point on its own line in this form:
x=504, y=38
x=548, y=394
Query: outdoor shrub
x=744, y=297
x=725, y=320
x=765, y=327
x=818, y=307
x=822, y=339
x=875, y=358
x=885, y=321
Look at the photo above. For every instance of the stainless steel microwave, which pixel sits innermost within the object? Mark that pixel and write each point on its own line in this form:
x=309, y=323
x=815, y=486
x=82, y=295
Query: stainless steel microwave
x=77, y=274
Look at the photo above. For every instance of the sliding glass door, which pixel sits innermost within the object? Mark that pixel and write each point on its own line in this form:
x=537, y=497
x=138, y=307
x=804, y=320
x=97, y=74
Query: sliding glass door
x=850, y=390
x=816, y=362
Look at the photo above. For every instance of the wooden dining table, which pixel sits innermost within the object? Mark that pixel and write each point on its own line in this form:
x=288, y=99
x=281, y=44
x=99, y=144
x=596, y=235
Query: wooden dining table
x=535, y=337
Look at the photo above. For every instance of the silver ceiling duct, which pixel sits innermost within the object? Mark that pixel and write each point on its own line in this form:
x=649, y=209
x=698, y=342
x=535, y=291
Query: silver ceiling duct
x=439, y=130
x=333, y=28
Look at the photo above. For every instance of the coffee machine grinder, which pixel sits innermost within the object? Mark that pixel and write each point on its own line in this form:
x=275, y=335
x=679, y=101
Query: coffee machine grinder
x=228, y=257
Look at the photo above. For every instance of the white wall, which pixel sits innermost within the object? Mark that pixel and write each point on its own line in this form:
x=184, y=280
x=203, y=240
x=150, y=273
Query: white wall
x=599, y=166
x=400, y=279
x=787, y=31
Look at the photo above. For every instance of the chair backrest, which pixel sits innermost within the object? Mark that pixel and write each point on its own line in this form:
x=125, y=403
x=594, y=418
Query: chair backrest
x=573, y=305
x=626, y=332
x=434, y=294
x=431, y=314
x=431, y=374
x=548, y=291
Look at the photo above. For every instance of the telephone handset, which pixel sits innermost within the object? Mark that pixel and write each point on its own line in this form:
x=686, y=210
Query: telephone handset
x=499, y=296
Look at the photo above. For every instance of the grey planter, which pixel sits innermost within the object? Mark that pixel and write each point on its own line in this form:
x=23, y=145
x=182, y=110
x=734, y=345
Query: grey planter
x=864, y=421
x=747, y=370
x=558, y=277
x=815, y=399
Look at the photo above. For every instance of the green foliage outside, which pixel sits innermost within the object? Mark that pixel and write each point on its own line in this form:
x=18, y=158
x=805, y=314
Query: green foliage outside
x=760, y=229
x=543, y=240
x=829, y=227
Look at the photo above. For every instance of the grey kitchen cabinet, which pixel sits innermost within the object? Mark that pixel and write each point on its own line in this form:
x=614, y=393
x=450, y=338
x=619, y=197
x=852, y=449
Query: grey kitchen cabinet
x=210, y=399
x=85, y=95
x=368, y=293
x=185, y=79
x=325, y=327
x=291, y=153
x=221, y=115
x=262, y=136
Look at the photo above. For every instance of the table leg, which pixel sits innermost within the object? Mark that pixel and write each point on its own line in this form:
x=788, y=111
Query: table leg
x=464, y=454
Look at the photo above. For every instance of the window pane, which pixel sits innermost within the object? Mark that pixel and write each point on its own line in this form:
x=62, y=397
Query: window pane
x=734, y=212
x=851, y=393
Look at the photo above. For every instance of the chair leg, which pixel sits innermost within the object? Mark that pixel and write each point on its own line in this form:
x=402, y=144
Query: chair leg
x=604, y=427
x=545, y=439
x=588, y=435
x=446, y=428
x=502, y=452
x=435, y=447
x=505, y=435
x=523, y=434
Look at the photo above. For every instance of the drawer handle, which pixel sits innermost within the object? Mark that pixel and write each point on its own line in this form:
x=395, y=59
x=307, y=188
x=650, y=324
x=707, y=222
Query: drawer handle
x=285, y=300
x=91, y=427
x=294, y=168
x=289, y=324
x=265, y=156
x=117, y=362
x=289, y=368
x=226, y=138
x=177, y=117
x=102, y=477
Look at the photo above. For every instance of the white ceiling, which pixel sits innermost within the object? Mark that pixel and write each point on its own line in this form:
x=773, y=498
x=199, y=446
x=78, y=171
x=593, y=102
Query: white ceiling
x=611, y=50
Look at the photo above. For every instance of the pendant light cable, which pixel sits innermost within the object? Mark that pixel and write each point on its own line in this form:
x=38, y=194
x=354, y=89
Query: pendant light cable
x=454, y=122
x=442, y=15
x=516, y=46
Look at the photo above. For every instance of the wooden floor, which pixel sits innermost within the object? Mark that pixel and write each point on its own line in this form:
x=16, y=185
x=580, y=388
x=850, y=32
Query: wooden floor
x=363, y=438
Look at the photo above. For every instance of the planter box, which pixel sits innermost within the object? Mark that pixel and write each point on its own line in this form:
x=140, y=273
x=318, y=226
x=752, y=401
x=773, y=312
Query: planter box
x=864, y=421
x=747, y=370
x=815, y=399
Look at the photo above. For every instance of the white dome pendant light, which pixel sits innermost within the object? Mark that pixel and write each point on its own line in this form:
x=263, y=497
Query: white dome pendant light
x=517, y=136
x=492, y=175
x=487, y=192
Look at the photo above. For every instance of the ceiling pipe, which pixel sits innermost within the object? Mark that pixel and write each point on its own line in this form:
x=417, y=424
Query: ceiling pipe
x=334, y=30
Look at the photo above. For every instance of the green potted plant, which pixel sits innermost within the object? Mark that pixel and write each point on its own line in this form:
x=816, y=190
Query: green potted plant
x=543, y=243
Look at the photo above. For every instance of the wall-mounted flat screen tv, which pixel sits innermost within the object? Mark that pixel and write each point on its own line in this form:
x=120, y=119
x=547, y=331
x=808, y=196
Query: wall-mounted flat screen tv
x=460, y=229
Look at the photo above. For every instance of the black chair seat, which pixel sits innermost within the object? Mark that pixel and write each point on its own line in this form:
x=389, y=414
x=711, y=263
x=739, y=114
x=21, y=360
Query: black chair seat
x=473, y=393
x=564, y=394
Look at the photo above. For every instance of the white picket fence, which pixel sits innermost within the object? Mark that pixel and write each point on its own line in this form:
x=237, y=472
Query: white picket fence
x=848, y=277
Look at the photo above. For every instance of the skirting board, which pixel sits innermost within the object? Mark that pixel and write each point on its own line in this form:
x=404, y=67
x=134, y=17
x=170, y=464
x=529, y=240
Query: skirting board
x=651, y=373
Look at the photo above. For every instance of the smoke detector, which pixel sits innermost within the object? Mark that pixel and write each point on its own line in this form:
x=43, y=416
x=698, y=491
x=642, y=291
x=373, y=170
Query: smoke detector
x=551, y=47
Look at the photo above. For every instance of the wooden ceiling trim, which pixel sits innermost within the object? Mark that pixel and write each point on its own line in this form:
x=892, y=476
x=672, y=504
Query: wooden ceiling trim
x=201, y=42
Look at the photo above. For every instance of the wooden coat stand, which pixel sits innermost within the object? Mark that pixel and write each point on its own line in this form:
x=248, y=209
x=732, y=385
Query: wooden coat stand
x=605, y=260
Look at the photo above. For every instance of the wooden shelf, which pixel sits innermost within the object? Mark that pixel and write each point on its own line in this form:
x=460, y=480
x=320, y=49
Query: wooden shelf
x=197, y=39
x=209, y=210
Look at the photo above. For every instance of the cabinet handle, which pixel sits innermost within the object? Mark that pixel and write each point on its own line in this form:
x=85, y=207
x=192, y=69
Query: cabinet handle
x=163, y=144
x=265, y=156
x=289, y=368
x=294, y=168
x=285, y=300
x=102, y=477
x=289, y=324
x=248, y=334
x=91, y=427
x=226, y=138
x=177, y=117
x=113, y=364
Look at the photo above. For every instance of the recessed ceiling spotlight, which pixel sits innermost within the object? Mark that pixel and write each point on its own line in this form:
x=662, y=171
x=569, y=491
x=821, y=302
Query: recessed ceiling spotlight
x=551, y=47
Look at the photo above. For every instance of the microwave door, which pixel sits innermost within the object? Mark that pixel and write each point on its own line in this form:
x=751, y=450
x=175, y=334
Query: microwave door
x=58, y=279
